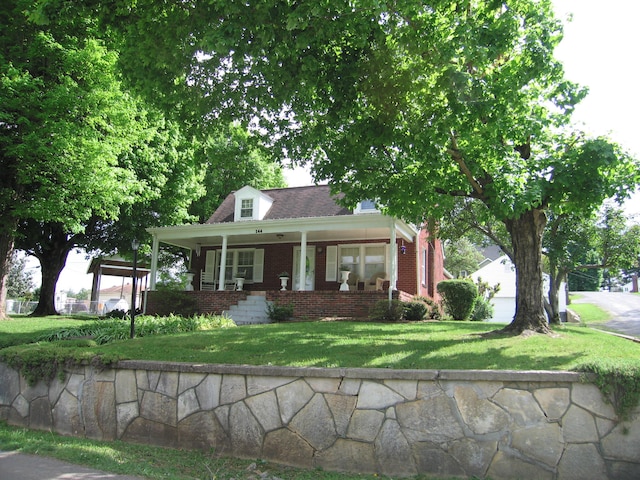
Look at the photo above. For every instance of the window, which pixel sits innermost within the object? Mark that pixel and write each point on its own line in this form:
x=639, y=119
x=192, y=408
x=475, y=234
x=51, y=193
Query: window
x=374, y=260
x=366, y=206
x=350, y=256
x=365, y=260
x=239, y=261
x=245, y=263
x=246, y=208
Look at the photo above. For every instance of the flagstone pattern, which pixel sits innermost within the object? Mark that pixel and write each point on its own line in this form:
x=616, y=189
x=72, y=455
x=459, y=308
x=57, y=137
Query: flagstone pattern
x=499, y=424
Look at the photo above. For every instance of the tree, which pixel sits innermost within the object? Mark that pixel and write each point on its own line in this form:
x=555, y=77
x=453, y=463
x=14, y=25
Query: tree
x=584, y=246
x=462, y=256
x=19, y=279
x=413, y=104
x=231, y=159
x=65, y=122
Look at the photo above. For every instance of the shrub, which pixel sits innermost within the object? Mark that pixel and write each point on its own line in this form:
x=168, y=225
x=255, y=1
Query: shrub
x=433, y=309
x=415, y=311
x=383, y=311
x=279, y=313
x=167, y=302
x=482, y=310
x=458, y=297
x=618, y=382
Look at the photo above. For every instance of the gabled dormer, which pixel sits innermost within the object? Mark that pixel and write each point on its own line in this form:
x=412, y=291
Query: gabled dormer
x=366, y=206
x=251, y=204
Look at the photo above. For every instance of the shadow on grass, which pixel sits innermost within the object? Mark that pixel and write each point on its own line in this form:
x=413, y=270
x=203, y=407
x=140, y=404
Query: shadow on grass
x=442, y=345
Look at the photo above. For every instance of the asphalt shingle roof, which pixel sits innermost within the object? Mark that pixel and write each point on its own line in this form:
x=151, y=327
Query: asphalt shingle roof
x=296, y=202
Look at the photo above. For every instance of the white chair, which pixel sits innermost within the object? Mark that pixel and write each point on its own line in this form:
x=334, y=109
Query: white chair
x=207, y=281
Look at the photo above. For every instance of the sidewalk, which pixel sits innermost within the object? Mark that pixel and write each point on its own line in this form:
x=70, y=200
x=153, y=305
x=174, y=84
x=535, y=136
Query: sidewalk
x=19, y=466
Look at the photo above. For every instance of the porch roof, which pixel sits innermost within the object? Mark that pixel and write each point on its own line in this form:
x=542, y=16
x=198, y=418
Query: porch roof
x=367, y=226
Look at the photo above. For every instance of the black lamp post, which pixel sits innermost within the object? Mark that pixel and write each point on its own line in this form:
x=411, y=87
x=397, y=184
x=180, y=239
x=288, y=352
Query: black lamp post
x=135, y=244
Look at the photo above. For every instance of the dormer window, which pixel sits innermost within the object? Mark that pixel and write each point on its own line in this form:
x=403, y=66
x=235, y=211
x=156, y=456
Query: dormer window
x=366, y=206
x=246, y=208
x=251, y=204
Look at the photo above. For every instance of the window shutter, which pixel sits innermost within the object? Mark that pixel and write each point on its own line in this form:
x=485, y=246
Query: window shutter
x=331, y=272
x=210, y=260
x=258, y=265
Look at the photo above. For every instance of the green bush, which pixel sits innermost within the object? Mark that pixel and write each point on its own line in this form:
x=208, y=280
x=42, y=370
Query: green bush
x=167, y=302
x=383, y=311
x=482, y=310
x=433, y=309
x=458, y=297
x=415, y=311
x=619, y=383
x=279, y=313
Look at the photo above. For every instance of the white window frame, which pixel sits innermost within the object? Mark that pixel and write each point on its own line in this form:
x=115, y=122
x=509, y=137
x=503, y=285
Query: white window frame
x=233, y=255
x=364, y=207
x=244, y=208
x=362, y=256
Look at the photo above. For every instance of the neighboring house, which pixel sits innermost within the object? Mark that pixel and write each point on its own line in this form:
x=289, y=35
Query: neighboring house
x=501, y=271
x=304, y=232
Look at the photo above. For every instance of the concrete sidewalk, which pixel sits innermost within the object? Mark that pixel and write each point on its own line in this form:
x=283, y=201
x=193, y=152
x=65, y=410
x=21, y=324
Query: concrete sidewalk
x=19, y=466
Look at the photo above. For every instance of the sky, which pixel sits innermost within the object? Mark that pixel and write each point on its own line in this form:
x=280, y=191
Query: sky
x=599, y=50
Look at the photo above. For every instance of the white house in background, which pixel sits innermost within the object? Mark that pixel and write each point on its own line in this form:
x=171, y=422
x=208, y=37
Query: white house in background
x=503, y=272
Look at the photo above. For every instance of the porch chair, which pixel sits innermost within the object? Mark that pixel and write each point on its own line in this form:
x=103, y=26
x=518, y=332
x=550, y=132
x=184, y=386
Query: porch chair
x=376, y=281
x=352, y=281
x=207, y=282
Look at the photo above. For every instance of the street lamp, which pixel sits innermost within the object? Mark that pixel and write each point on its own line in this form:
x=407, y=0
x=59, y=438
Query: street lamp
x=135, y=244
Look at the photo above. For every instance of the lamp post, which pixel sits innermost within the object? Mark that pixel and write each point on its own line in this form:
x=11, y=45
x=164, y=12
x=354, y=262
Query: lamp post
x=135, y=244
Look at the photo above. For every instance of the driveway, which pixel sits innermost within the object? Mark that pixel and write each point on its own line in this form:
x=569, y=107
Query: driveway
x=624, y=307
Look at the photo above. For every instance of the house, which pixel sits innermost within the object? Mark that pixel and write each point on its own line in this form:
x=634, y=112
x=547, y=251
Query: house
x=502, y=271
x=255, y=235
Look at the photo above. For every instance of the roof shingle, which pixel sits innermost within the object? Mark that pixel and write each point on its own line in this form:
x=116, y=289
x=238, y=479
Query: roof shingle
x=296, y=202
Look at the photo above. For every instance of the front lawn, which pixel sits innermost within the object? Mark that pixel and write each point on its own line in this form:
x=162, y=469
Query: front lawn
x=424, y=345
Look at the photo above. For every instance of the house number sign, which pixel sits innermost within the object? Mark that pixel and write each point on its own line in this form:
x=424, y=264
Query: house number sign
x=258, y=230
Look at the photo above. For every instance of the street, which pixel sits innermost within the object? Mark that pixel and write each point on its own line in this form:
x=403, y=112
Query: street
x=624, y=306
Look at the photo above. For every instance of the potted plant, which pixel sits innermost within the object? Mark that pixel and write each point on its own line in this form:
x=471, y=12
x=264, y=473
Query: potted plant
x=345, y=270
x=284, y=278
x=240, y=276
x=189, y=274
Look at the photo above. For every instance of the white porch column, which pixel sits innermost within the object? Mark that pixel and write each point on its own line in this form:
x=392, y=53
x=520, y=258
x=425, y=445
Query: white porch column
x=393, y=251
x=154, y=261
x=302, y=274
x=223, y=263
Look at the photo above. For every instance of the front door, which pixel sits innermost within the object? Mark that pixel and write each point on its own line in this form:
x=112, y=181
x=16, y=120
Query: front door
x=310, y=268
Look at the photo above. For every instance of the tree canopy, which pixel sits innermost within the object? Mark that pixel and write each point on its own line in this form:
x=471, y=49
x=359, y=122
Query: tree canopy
x=416, y=104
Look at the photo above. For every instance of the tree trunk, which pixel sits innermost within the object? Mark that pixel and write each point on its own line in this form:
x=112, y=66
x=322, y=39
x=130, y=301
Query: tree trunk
x=526, y=238
x=6, y=247
x=555, y=280
x=52, y=251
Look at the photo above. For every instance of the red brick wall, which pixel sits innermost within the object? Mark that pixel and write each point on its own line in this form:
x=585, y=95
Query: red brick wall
x=326, y=303
x=279, y=258
x=317, y=304
x=208, y=302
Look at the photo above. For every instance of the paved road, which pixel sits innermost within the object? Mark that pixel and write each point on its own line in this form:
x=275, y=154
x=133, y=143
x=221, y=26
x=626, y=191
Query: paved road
x=18, y=466
x=625, y=308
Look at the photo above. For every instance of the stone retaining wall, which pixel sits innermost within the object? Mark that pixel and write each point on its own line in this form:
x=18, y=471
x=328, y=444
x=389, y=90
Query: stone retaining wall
x=501, y=424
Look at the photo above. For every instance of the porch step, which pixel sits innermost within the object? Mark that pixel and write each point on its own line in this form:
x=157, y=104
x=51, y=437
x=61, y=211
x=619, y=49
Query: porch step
x=250, y=311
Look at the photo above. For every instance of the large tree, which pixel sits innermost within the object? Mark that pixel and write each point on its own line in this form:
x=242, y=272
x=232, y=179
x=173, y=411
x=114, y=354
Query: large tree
x=66, y=124
x=412, y=103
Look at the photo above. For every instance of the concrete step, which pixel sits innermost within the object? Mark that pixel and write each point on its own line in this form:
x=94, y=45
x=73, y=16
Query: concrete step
x=253, y=310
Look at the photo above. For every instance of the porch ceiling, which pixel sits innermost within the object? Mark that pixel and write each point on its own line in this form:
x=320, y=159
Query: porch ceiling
x=324, y=229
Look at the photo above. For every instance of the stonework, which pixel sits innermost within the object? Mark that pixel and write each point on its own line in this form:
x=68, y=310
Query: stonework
x=502, y=425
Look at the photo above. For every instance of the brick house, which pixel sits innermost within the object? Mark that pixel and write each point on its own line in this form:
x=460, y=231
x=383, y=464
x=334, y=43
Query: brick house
x=255, y=235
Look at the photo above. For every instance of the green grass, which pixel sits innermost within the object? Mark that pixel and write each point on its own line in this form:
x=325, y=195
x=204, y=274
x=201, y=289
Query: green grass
x=424, y=345
x=154, y=462
x=590, y=313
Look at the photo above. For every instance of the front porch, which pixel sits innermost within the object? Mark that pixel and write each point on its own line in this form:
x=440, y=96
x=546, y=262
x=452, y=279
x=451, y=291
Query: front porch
x=306, y=304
